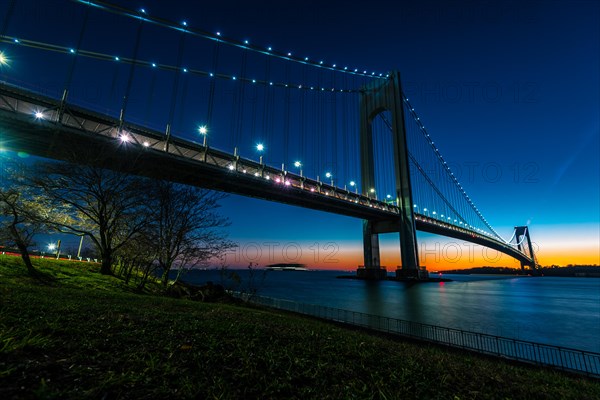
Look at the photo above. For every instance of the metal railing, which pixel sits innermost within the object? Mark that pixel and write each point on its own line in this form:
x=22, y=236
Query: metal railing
x=557, y=357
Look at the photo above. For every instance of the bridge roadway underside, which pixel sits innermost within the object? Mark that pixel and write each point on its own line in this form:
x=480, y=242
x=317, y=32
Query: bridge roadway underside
x=50, y=140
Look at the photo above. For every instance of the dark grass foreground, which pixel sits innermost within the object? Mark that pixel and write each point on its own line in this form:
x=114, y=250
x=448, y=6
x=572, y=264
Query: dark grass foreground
x=84, y=335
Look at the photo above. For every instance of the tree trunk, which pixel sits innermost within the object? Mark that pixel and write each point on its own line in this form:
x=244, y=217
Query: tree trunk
x=106, y=268
x=25, y=256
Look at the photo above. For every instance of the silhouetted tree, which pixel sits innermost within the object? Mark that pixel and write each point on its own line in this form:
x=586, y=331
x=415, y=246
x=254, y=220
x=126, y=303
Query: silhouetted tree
x=186, y=226
x=107, y=206
x=18, y=222
x=20, y=209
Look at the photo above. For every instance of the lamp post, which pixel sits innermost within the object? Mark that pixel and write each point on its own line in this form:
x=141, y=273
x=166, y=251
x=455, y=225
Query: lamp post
x=298, y=164
x=204, y=132
x=355, y=186
x=79, y=249
x=260, y=147
x=328, y=175
x=372, y=192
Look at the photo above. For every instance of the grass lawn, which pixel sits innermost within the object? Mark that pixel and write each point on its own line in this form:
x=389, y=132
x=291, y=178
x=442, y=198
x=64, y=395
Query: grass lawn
x=84, y=335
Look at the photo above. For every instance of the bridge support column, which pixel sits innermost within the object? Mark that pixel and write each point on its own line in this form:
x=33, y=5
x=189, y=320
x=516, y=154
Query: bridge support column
x=372, y=269
x=376, y=98
x=521, y=231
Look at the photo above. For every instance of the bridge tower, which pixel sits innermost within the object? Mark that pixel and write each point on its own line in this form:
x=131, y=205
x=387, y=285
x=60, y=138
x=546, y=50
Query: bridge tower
x=521, y=231
x=378, y=97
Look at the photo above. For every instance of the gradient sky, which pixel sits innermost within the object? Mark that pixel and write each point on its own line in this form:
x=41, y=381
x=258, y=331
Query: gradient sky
x=508, y=90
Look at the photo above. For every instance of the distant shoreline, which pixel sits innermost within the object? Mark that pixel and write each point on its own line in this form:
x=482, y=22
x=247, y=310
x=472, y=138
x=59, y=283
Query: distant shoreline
x=576, y=271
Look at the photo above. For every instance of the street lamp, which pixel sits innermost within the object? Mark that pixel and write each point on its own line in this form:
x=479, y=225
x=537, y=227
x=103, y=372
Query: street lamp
x=329, y=176
x=203, y=131
x=298, y=164
x=260, y=147
x=372, y=191
x=355, y=186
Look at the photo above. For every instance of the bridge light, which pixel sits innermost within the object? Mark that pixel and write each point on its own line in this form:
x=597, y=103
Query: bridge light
x=143, y=10
x=246, y=42
x=39, y=115
x=231, y=167
x=434, y=213
x=260, y=147
x=3, y=59
x=154, y=65
x=117, y=59
x=124, y=138
x=218, y=33
x=328, y=175
x=146, y=144
x=297, y=164
x=72, y=51
x=184, y=23
x=269, y=48
x=51, y=247
x=352, y=183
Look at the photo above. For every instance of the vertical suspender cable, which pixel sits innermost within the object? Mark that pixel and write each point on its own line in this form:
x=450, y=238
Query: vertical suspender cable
x=211, y=89
x=286, y=118
x=266, y=102
x=71, y=71
x=175, y=87
x=241, y=99
x=131, y=73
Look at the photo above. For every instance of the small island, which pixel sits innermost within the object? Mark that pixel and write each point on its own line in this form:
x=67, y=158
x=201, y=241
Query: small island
x=287, y=267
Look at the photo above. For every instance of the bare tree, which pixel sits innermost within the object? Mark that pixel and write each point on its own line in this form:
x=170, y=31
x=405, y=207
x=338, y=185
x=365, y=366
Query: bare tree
x=20, y=208
x=107, y=206
x=18, y=222
x=187, y=228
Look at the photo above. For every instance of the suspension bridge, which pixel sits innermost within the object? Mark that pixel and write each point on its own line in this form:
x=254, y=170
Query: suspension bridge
x=229, y=115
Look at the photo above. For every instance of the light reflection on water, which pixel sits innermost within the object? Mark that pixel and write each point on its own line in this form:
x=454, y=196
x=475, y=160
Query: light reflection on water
x=559, y=311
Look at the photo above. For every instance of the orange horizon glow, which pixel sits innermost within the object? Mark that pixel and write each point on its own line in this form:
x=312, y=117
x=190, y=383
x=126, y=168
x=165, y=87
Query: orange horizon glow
x=434, y=255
